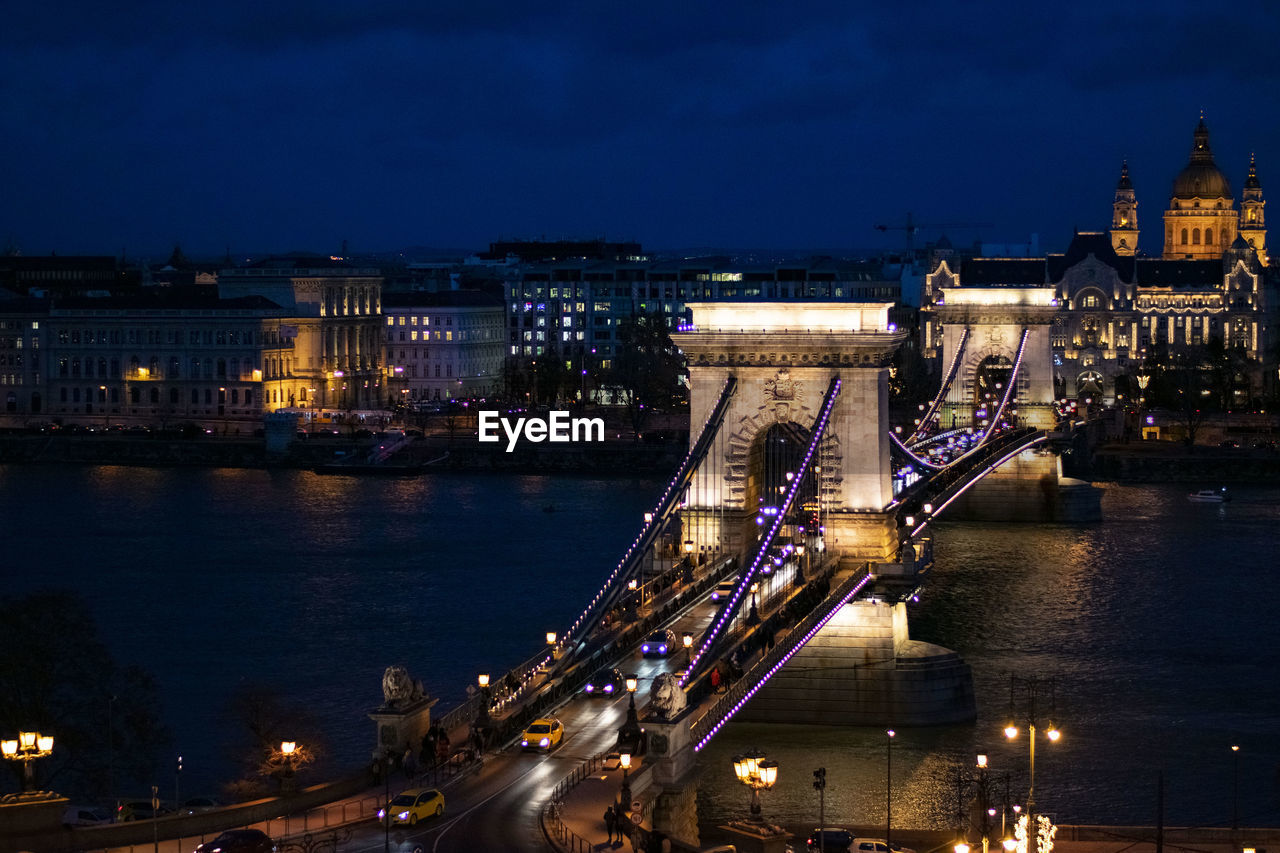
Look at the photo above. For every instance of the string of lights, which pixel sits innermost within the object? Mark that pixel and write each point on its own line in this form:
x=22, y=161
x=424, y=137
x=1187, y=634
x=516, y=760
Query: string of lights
x=744, y=583
x=674, y=488
x=859, y=583
x=932, y=411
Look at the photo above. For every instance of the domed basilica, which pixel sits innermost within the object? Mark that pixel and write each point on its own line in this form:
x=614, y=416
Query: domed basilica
x=1120, y=311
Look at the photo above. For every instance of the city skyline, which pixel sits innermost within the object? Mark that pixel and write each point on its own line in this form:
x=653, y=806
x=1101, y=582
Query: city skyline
x=301, y=126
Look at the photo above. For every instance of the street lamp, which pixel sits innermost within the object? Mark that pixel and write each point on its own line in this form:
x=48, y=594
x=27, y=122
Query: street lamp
x=288, y=753
x=1011, y=732
x=28, y=747
x=753, y=617
x=758, y=775
x=888, y=785
x=482, y=718
x=624, y=795
x=1235, y=787
x=687, y=639
x=630, y=732
x=799, y=575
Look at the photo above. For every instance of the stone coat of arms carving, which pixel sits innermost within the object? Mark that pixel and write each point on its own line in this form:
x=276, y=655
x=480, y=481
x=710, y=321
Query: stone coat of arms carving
x=784, y=394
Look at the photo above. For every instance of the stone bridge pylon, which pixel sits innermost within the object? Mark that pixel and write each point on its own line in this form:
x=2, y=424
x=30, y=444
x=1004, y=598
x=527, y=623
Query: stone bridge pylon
x=861, y=667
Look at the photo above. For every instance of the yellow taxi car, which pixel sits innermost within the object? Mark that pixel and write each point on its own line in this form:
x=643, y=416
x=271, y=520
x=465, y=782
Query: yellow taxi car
x=411, y=806
x=542, y=734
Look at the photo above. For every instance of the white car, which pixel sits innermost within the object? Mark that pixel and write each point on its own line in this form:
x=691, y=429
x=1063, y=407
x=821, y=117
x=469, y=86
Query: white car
x=85, y=816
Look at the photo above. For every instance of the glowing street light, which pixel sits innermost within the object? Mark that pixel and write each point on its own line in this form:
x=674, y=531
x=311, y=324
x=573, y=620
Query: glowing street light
x=758, y=775
x=27, y=748
x=624, y=795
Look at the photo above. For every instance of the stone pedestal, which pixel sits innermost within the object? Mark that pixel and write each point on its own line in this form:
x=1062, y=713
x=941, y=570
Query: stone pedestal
x=670, y=751
x=675, y=812
x=29, y=816
x=752, y=838
x=398, y=728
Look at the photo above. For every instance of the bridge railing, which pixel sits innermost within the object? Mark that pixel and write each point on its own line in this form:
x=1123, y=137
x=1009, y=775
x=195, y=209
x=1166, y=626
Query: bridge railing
x=754, y=678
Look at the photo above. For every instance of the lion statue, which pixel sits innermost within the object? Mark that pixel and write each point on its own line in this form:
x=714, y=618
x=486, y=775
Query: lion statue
x=666, y=698
x=398, y=688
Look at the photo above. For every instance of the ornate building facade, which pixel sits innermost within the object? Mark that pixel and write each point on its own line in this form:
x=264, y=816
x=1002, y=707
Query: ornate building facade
x=1117, y=308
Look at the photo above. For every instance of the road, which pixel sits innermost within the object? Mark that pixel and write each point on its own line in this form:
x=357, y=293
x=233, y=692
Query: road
x=497, y=806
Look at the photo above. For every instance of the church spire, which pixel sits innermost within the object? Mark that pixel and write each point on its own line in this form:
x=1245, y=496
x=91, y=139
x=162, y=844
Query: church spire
x=1124, y=215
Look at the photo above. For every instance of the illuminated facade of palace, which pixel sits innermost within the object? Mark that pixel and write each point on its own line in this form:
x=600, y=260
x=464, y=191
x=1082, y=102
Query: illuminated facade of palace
x=1212, y=283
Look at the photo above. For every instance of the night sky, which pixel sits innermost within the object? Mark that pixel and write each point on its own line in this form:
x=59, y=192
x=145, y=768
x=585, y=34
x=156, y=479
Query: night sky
x=274, y=126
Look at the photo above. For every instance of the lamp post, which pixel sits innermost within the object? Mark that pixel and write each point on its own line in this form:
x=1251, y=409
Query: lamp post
x=630, y=732
x=758, y=775
x=753, y=617
x=799, y=575
x=983, y=793
x=687, y=639
x=688, y=561
x=888, y=785
x=1235, y=786
x=288, y=749
x=551, y=641
x=482, y=722
x=1031, y=686
x=624, y=793
x=27, y=748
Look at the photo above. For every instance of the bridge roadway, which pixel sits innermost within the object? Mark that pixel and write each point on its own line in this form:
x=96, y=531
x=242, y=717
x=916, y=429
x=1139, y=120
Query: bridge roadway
x=493, y=805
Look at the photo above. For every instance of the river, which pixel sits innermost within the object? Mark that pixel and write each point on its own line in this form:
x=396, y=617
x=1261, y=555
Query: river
x=1156, y=626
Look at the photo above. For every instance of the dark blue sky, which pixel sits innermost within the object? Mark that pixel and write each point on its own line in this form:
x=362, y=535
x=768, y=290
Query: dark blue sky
x=291, y=125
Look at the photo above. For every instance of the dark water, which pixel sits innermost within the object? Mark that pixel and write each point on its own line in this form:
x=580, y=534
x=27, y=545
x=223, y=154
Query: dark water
x=1157, y=626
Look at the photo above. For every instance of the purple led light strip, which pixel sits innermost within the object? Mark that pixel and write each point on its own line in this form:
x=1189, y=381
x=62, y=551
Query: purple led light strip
x=716, y=411
x=819, y=427
x=781, y=662
x=1032, y=443
x=946, y=386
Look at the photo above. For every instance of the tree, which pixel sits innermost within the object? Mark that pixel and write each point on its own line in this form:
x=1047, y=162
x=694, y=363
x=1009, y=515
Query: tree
x=647, y=368
x=264, y=720
x=58, y=678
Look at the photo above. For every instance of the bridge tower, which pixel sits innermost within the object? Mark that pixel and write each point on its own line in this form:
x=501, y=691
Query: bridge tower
x=784, y=356
x=996, y=315
x=861, y=668
x=999, y=301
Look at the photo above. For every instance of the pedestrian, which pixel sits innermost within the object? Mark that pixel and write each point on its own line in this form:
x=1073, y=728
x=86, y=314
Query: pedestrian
x=409, y=763
x=610, y=822
x=715, y=679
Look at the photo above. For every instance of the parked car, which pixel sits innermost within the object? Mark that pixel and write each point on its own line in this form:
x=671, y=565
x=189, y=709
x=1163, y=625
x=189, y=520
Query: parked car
x=834, y=840
x=606, y=682
x=542, y=734
x=659, y=644
x=200, y=805
x=139, y=810
x=878, y=845
x=239, y=841
x=411, y=806
x=85, y=816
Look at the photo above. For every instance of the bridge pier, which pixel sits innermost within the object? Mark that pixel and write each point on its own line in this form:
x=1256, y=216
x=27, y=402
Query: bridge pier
x=863, y=669
x=1029, y=487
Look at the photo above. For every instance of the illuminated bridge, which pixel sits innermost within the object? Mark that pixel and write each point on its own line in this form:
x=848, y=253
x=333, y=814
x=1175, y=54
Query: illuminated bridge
x=806, y=512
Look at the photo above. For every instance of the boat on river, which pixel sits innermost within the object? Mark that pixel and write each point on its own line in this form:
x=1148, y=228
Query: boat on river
x=1210, y=496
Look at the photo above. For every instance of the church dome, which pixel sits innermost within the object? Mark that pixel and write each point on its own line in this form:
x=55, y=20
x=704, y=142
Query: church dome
x=1201, y=178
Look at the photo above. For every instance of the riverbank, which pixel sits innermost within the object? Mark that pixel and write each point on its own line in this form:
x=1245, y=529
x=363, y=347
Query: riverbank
x=1175, y=462
x=434, y=453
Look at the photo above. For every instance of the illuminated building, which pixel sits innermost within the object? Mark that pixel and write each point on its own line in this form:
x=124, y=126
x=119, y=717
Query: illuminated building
x=327, y=350
x=1117, y=307
x=445, y=345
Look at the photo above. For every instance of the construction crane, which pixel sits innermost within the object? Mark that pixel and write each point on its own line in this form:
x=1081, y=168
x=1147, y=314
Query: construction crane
x=911, y=227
